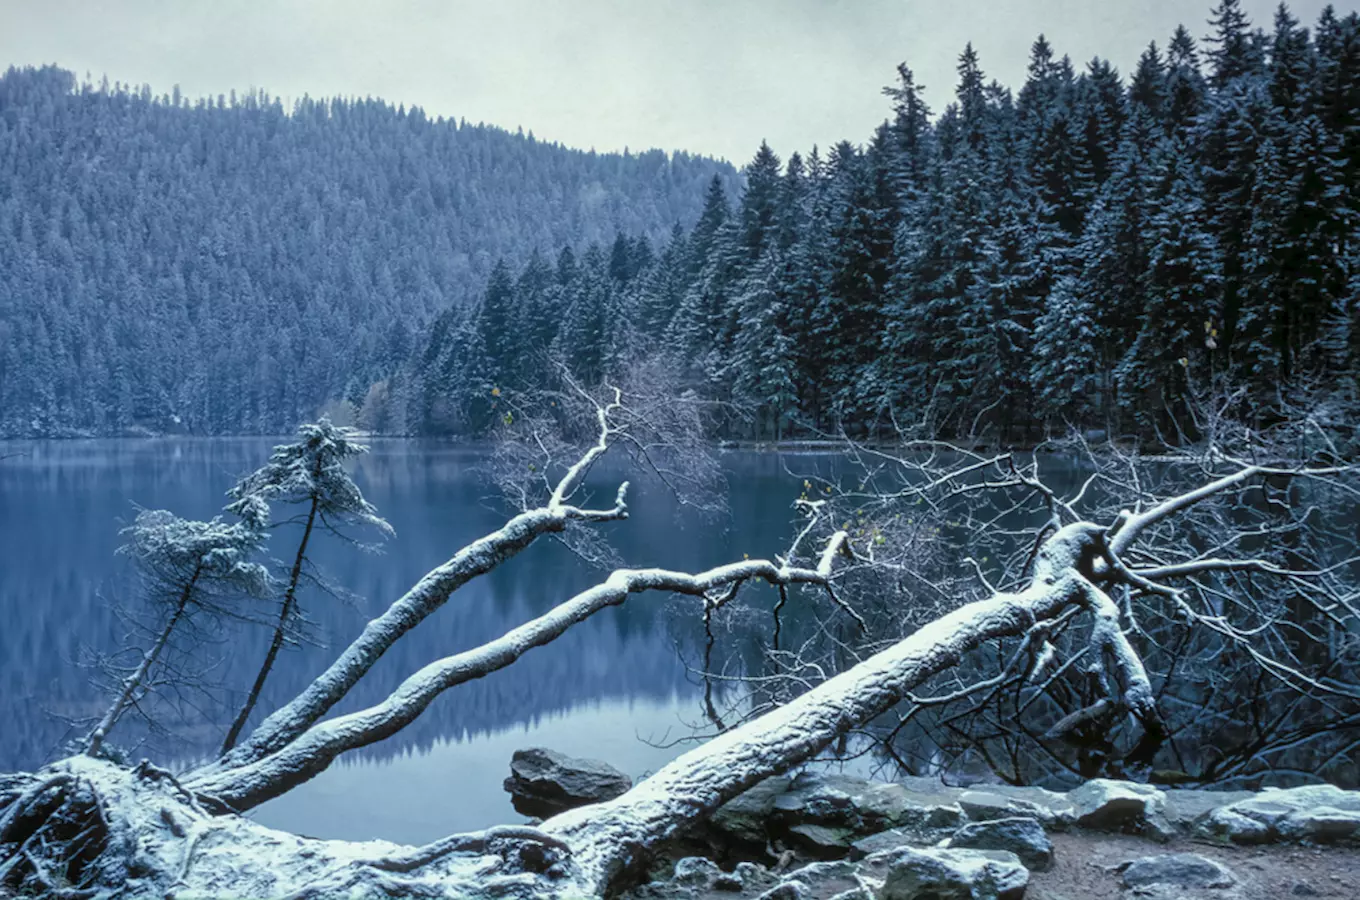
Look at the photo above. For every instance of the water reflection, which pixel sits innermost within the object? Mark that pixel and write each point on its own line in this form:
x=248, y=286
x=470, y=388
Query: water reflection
x=595, y=691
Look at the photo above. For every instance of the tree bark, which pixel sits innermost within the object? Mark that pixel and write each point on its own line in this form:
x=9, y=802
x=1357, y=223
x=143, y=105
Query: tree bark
x=130, y=684
x=289, y=600
x=246, y=787
x=611, y=839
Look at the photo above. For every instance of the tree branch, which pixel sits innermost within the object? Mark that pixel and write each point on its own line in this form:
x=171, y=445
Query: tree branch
x=245, y=787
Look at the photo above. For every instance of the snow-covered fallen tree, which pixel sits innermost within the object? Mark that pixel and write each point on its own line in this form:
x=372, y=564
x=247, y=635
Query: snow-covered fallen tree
x=84, y=827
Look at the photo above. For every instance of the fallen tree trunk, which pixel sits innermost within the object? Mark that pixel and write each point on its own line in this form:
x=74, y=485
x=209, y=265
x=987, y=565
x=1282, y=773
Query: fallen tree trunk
x=246, y=787
x=428, y=595
x=594, y=850
x=610, y=839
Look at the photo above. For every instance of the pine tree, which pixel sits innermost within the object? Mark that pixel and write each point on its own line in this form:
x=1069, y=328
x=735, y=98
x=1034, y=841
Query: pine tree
x=1233, y=53
x=912, y=144
x=1186, y=87
x=763, y=359
x=188, y=568
x=1147, y=89
x=308, y=473
x=1099, y=119
x=1178, y=327
x=759, y=210
x=1066, y=357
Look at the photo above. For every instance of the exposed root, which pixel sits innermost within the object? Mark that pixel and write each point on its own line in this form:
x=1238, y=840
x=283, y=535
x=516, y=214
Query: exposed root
x=511, y=855
x=534, y=850
x=85, y=828
x=52, y=834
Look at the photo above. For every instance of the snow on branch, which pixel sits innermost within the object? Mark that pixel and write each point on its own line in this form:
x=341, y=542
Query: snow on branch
x=609, y=837
x=426, y=596
x=309, y=754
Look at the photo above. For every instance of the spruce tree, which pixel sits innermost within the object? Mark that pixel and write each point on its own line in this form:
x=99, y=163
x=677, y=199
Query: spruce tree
x=308, y=473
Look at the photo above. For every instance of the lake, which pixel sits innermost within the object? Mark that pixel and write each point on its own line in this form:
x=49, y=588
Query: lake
x=619, y=687
x=622, y=686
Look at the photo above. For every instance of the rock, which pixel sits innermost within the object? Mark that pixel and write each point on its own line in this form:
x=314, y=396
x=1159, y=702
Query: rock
x=745, y=818
x=1321, y=825
x=543, y=782
x=1185, y=809
x=863, y=807
x=728, y=883
x=696, y=871
x=1315, y=813
x=825, y=879
x=1001, y=801
x=786, y=890
x=754, y=876
x=822, y=841
x=816, y=800
x=1021, y=836
x=884, y=840
x=1179, y=871
x=1105, y=805
x=913, y=874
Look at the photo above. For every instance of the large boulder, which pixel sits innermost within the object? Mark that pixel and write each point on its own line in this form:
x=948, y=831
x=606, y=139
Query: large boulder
x=1105, y=805
x=1053, y=810
x=745, y=819
x=862, y=807
x=1186, y=807
x=1313, y=814
x=1022, y=836
x=544, y=783
x=884, y=840
x=946, y=874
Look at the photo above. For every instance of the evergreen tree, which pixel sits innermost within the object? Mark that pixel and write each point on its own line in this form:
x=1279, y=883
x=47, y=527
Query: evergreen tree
x=189, y=568
x=308, y=473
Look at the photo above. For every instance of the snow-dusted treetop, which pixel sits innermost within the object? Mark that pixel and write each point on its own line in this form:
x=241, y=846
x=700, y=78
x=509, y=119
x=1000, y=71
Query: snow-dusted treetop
x=213, y=556
x=312, y=468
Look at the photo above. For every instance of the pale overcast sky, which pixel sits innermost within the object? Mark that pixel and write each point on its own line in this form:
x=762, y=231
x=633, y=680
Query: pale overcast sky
x=702, y=75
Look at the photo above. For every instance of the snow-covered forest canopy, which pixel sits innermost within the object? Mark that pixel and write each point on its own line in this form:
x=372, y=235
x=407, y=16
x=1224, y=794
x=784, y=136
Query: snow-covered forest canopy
x=1095, y=249
x=227, y=265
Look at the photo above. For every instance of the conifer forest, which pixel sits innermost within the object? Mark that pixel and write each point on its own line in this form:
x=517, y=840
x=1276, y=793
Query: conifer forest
x=1089, y=249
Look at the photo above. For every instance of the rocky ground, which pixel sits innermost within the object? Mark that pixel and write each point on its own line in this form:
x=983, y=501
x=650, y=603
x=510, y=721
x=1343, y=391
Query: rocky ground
x=828, y=836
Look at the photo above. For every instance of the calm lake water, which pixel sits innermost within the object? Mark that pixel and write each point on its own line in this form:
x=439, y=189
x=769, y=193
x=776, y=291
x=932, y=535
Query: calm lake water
x=618, y=687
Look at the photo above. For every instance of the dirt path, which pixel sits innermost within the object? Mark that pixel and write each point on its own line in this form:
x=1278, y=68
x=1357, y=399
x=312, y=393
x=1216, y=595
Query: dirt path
x=1083, y=862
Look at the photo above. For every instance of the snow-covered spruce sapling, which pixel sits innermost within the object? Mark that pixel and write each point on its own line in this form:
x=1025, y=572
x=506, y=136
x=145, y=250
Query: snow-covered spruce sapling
x=308, y=473
x=187, y=566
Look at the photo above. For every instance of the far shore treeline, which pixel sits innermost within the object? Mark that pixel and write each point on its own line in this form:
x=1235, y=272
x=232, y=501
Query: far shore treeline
x=1096, y=249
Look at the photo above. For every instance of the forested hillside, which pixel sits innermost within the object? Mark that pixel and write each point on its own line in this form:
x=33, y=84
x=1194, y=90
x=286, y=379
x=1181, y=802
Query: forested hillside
x=1093, y=250
x=227, y=265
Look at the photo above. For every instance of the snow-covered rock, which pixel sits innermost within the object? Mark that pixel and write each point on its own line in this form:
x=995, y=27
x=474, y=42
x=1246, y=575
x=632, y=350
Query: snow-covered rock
x=822, y=841
x=941, y=874
x=884, y=840
x=745, y=819
x=1023, y=837
x=1053, y=810
x=1105, y=805
x=1314, y=813
x=696, y=870
x=1177, y=872
x=861, y=806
